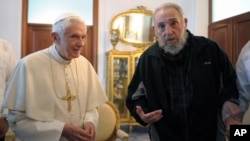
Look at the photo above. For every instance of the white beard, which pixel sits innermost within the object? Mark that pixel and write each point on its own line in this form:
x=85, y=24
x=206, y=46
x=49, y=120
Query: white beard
x=174, y=49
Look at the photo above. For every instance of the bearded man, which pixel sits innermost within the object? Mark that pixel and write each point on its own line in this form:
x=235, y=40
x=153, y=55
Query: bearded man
x=182, y=82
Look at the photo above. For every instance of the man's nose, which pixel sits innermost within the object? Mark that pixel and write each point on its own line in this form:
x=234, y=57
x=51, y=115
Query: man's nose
x=168, y=30
x=80, y=42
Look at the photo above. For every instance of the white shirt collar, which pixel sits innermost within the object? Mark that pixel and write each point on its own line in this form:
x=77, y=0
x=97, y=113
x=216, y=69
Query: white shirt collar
x=56, y=56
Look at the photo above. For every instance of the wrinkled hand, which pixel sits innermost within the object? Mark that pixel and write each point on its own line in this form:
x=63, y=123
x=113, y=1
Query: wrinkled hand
x=149, y=117
x=230, y=121
x=89, y=126
x=74, y=133
x=232, y=115
x=4, y=126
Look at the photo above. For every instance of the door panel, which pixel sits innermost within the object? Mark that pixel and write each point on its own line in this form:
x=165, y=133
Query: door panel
x=241, y=26
x=231, y=34
x=221, y=33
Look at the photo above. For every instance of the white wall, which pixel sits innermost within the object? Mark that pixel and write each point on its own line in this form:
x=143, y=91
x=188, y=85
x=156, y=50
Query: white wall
x=10, y=23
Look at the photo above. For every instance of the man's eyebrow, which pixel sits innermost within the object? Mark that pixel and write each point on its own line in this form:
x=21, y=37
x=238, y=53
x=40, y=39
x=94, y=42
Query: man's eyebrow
x=168, y=19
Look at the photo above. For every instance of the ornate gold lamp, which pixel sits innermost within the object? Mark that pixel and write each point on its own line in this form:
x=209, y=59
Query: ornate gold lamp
x=114, y=37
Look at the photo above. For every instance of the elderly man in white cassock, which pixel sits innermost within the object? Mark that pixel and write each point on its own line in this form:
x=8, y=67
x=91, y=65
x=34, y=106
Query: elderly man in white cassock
x=54, y=93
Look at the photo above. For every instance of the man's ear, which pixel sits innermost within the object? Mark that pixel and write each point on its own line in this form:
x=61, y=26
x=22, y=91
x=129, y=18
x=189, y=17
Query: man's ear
x=55, y=37
x=185, y=21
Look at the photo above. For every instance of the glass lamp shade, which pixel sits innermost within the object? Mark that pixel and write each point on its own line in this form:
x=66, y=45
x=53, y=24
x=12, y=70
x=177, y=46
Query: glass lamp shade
x=114, y=37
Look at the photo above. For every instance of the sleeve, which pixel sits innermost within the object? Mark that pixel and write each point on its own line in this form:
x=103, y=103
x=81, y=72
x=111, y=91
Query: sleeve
x=92, y=116
x=243, y=77
x=12, y=59
x=227, y=75
x=137, y=95
x=10, y=62
x=27, y=129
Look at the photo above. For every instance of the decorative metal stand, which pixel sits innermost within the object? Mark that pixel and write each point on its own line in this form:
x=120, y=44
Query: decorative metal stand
x=114, y=37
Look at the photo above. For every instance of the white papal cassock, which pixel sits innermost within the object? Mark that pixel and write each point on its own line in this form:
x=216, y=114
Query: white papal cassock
x=33, y=96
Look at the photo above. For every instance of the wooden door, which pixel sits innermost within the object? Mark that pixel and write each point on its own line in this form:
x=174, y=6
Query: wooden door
x=37, y=36
x=231, y=34
x=241, y=33
x=221, y=33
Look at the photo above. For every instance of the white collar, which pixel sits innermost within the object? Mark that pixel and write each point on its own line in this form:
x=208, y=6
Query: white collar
x=56, y=56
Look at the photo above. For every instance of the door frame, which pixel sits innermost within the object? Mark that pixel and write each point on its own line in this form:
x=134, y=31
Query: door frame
x=94, y=40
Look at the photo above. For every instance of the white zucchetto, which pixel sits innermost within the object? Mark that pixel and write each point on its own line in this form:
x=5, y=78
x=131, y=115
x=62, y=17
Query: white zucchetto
x=64, y=16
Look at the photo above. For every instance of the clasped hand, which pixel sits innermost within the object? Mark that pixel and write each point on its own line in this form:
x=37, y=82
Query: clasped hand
x=149, y=117
x=74, y=133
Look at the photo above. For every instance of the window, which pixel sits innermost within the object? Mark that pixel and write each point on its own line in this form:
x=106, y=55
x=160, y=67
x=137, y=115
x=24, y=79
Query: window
x=222, y=9
x=46, y=11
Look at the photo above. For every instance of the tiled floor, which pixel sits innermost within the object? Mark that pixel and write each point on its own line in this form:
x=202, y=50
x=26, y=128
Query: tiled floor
x=138, y=133
x=138, y=137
